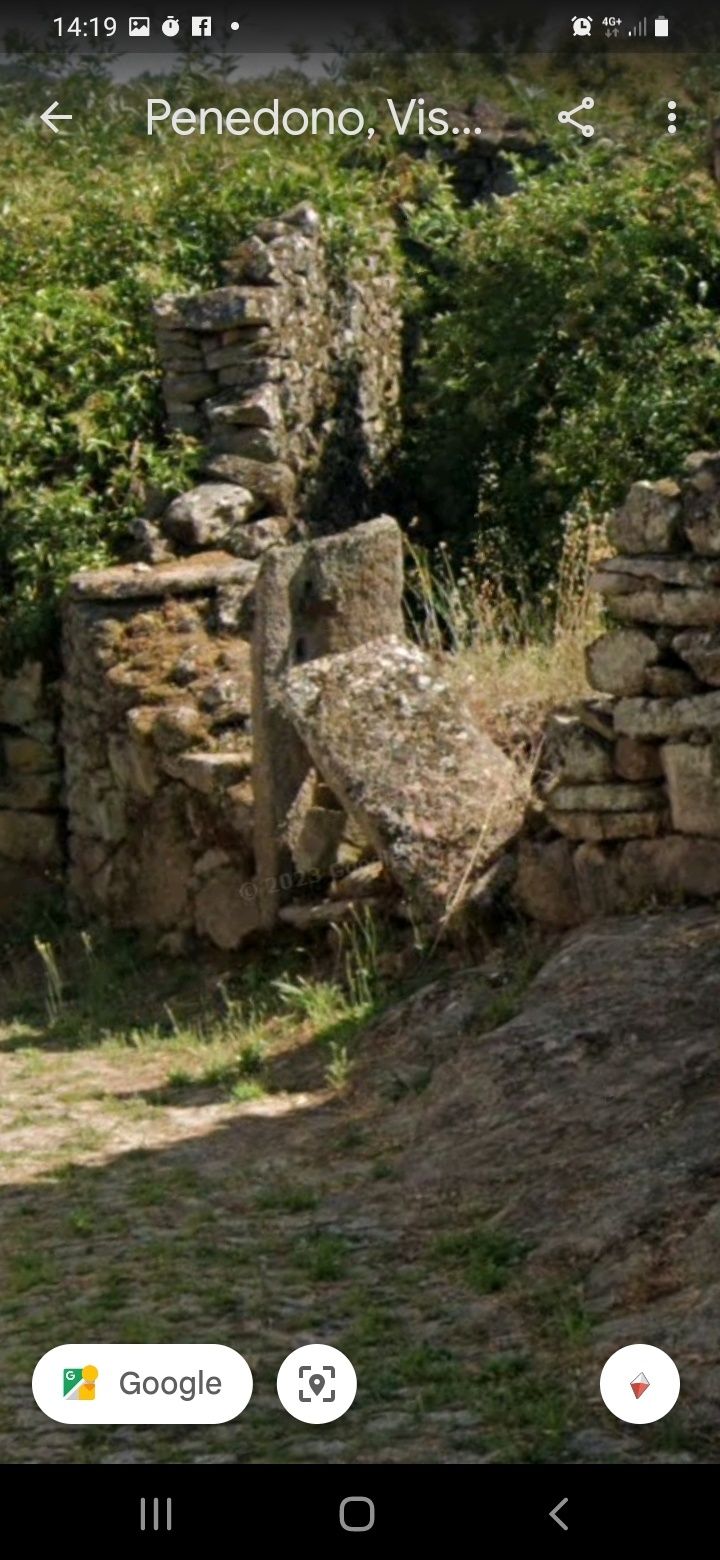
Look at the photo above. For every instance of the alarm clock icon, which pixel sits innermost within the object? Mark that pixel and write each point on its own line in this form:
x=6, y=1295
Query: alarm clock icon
x=171, y=27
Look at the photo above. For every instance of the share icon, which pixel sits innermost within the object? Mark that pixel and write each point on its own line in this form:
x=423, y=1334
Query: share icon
x=565, y=117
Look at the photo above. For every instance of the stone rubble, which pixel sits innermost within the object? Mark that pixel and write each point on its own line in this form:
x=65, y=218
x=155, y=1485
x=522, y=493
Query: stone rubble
x=631, y=810
x=290, y=378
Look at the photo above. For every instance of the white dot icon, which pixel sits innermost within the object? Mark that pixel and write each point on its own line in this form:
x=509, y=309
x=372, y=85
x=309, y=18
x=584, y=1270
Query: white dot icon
x=672, y=116
x=234, y=26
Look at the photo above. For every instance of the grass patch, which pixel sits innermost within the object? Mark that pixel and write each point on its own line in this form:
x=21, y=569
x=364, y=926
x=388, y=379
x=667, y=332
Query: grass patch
x=561, y=1312
x=323, y=1258
x=247, y=1089
x=486, y=1258
x=28, y=1270
x=287, y=1199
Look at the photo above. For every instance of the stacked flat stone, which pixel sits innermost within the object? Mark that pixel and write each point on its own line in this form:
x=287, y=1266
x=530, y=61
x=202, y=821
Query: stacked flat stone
x=632, y=779
x=30, y=769
x=290, y=378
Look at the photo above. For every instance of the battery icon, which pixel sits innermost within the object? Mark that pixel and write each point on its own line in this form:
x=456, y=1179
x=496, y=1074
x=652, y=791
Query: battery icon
x=661, y=27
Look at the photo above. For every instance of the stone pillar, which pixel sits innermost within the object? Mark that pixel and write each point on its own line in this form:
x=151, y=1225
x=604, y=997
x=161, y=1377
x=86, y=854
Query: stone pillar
x=333, y=594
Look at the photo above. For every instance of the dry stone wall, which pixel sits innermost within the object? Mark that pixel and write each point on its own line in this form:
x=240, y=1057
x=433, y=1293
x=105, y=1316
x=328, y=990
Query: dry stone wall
x=251, y=743
x=158, y=750
x=248, y=738
x=290, y=377
x=30, y=770
x=630, y=795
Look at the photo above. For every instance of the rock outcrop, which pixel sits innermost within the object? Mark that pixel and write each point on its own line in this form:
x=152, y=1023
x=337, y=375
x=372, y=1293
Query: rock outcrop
x=587, y=1129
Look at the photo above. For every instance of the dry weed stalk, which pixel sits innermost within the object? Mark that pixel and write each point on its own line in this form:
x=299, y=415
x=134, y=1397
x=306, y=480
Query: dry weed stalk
x=518, y=657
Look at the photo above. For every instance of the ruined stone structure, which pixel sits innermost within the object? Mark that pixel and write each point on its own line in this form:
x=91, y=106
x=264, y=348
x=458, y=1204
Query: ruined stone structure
x=630, y=789
x=248, y=736
x=158, y=752
x=290, y=376
x=237, y=734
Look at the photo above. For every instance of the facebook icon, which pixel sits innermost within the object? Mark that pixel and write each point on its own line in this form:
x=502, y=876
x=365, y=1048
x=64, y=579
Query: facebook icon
x=201, y=26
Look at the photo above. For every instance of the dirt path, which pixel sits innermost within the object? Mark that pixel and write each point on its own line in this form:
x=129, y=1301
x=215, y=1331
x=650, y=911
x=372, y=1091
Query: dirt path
x=145, y=1198
x=425, y=1191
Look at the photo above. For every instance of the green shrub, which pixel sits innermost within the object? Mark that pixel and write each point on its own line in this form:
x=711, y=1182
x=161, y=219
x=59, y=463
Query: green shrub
x=95, y=225
x=559, y=343
x=569, y=345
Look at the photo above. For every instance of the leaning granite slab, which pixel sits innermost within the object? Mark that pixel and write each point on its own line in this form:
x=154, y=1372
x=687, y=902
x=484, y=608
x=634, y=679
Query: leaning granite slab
x=394, y=740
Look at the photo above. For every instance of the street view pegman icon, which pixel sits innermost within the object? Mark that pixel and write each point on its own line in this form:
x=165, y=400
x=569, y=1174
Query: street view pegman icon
x=79, y=1382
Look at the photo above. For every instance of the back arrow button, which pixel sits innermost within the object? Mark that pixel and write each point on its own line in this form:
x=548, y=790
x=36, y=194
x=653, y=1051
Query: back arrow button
x=556, y=1518
x=49, y=117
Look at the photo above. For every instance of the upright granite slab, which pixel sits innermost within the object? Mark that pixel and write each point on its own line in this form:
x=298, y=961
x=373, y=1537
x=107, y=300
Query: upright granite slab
x=333, y=594
x=396, y=744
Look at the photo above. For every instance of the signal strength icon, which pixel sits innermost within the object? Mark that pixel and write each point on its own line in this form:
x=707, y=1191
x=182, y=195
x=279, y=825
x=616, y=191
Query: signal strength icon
x=639, y=30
